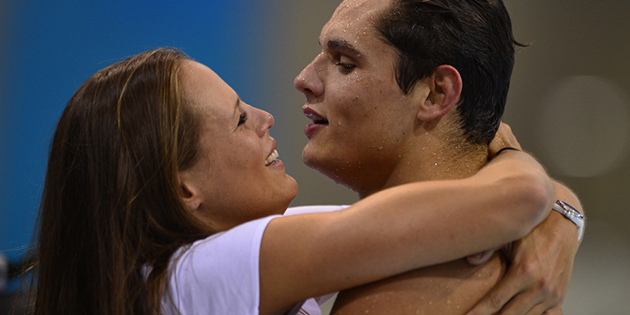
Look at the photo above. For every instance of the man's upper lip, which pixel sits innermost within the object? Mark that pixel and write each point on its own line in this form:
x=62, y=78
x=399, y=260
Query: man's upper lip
x=312, y=114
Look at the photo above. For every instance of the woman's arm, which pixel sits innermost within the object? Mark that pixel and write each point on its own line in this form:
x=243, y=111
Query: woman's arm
x=401, y=229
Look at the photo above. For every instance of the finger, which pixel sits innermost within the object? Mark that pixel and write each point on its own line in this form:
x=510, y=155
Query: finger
x=480, y=258
x=522, y=304
x=516, y=293
x=503, y=138
x=533, y=302
x=498, y=297
x=554, y=311
x=544, y=310
x=539, y=297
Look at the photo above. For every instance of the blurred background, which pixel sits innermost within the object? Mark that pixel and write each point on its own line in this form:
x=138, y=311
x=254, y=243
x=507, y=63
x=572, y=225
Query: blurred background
x=569, y=102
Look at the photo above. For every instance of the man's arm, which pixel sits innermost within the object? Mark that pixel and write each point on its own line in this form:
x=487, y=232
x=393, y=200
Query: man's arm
x=542, y=262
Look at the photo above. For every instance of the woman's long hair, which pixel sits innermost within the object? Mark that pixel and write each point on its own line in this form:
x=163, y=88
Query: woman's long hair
x=110, y=203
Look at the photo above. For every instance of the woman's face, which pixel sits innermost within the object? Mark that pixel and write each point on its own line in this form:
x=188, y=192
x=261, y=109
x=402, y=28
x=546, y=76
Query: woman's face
x=237, y=177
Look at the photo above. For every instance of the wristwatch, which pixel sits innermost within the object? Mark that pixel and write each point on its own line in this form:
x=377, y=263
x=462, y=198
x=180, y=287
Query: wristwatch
x=572, y=214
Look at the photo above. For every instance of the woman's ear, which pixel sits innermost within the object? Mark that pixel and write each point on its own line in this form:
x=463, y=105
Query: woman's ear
x=445, y=88
x=188, y=191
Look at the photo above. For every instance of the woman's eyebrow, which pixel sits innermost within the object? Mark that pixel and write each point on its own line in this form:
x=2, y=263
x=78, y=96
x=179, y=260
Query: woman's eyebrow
x=236, y=105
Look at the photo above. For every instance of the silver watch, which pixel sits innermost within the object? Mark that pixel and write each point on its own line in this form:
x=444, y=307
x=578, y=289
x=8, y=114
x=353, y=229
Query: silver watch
x=572, y=214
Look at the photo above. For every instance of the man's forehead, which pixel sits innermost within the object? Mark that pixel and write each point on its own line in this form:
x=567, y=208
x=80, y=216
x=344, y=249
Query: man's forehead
x=356, y=9
x=351, y=14
x=361, y=4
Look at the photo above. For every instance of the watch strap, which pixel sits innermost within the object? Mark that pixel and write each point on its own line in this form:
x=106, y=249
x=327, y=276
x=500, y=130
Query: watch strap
x=572, y=215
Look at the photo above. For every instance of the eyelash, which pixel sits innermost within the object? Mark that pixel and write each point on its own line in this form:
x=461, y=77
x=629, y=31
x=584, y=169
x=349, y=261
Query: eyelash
x=242, y=118
x=345, y=67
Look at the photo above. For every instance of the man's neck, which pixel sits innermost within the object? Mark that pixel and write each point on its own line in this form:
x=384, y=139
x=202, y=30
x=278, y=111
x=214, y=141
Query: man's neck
x=440, y=161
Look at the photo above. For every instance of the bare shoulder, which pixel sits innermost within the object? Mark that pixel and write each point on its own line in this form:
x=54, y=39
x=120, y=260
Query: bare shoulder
x=450, y=288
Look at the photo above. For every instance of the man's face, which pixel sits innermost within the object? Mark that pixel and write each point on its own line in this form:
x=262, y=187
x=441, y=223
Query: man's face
x=361, y=118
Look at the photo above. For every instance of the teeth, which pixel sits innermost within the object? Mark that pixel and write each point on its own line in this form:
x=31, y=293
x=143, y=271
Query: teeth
x=314, y=117
x=274, y=155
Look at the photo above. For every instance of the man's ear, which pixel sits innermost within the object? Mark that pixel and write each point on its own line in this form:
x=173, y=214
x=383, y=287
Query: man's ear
x=445, y=87
x=188, y=191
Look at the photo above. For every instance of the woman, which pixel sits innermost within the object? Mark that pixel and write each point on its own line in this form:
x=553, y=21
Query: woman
x=163, y=194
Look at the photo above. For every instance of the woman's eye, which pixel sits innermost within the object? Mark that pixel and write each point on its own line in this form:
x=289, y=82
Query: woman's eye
x=242, y=118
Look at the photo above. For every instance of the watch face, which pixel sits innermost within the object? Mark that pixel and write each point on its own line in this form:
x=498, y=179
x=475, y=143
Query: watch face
x=569, y=209
x=572, y=214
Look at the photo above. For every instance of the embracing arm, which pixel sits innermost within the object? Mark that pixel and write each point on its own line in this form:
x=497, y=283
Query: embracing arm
x=401, y=229
x=542, y=263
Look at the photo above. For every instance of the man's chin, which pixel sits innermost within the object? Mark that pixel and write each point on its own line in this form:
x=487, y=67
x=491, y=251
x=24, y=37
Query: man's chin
x=314, y=157
x=309, y=156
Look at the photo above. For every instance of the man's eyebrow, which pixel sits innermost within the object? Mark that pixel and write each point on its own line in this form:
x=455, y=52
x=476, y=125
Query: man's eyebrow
x=343, y=46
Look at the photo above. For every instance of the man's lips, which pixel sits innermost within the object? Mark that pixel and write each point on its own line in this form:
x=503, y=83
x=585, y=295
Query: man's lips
x=314, y=116
x=311, y=129
x=319, y=121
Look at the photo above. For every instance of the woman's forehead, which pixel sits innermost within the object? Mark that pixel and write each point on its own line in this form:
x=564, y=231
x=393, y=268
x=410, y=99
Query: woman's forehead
x=206, y=90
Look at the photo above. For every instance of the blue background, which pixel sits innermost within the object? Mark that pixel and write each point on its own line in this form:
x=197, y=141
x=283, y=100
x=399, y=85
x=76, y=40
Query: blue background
x=51, y=47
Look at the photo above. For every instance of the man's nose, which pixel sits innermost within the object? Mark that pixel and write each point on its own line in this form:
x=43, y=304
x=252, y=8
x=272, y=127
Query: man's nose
x=309, y=82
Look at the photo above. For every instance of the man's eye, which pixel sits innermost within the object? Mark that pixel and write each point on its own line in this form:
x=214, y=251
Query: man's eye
x=242, y=118
x=345, y=67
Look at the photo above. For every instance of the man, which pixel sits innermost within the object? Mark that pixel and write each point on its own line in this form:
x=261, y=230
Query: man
x=411, y=90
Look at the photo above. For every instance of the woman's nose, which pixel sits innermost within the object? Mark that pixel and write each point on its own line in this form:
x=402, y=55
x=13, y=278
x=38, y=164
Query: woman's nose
x=266, y=121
